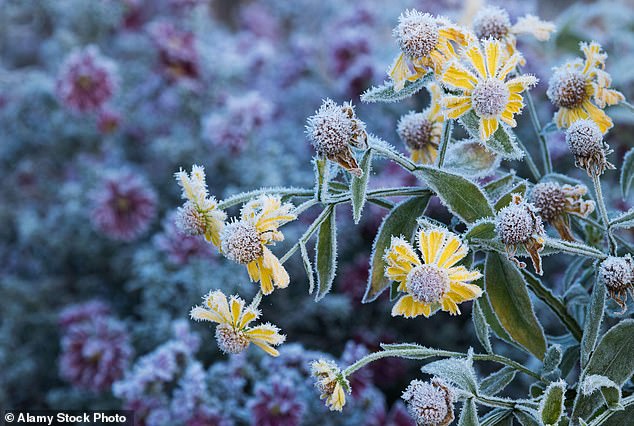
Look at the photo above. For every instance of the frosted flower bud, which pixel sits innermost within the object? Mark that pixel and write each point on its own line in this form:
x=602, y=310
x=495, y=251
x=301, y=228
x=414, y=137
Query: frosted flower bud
x=230, y=340
x=550, y=199
x=585, y=141
x=190, y=220
x=429, y=403
x=490, y=98
x=416, y=34
x=331, y=383
x=427, y=283
x=491, y=22
x=416, y=130
x=617, y=274
x=240, y=242
x=567, y=89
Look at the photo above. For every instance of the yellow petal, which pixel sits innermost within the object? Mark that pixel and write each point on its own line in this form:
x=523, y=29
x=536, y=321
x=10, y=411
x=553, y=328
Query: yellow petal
x=474, y=55
x=236, y=309
x=488, y=126
x=465, y=291
x=455, y=106
x=493, y=53
x=267, y=348
x=598, y=116
x=450, y=306
x=452, y=252
x=200, y=313
x=508, y=66
x=460, y=273
x=458, y=76
x=429, y=243
x=409, y=308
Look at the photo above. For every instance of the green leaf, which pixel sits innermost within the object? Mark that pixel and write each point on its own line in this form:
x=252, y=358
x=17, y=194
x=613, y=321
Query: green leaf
x=458, y=371
x=618, y=418
x=561, y=179
x=506, y=290
x=471, y=158
x=359, y=185
x=498, y=417
x=400, y=221
x=551, y=407
x=483, y=229
x=413, y=350
x=496, y=382
x=526, y=419
x=610, y=391
x=593, y=319
x=501, y=142
x=626, y=220
x=394, y=291
x=386, y=93
x=308, y=267
x=469, y=414
x=326, y=255
x=481, y=327
x=627, y=173
x=552, y=359
x=493, y=320
x=496, y=188
x=506, y=199
x=464, y=198
x=321, y=176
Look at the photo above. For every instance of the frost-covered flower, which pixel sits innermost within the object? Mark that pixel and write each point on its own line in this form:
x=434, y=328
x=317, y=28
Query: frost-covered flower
x=177, y=50
x=180, y=248
x=485, y=88
x=331, y=383
x=333, y=130
x=244, y=241
x=200, y=214
x=233, y=332
x=426, y=44
x=123, y=206
x=429, y=403
x=494, y=22
x=555, y=202
x=276, y=404
x=435, y=282
x=581, y=89
x=96, y=348
x=87, y=80
x=585, y=141
x=519, y=224
x=617, y=274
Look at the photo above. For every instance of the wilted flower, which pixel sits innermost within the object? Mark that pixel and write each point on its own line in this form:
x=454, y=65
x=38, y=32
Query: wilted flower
x=333, y=130
x=177, y=50
x=576, y=84
x=484, y=86
x=426, y=45
x=276, y=404
x=585, y=141
x=617, y=274
x=233, y=332
x=124, y=206
x=200, y=214
x=429, y=403
x=87, y=80
x=331, y=382
x=435, y=283
x=494, y=22
x=555, y=202
x=519, y=224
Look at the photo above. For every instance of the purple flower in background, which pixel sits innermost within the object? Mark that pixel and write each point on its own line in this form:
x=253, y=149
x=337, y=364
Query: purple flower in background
x=123, y=206
x=276, y=404
x=81, y=312
x=178, y=247
x=96, y=349
x=108, y=121
x=177, y=50
x=87, y=80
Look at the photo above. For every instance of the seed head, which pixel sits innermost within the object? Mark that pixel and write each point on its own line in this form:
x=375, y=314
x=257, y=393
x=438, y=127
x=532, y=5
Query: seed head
x=416, y=34
x=518, y=222
x=585, y=141
x=416, y=130
x=617, y=274
x=491, y=22
x=230, y=340
x=490, y=98
x=429, y=403
x=241, y=242
x=550, y=199
x=190, y=220
x=333, y=128
x=427, y=283
x=567, y=89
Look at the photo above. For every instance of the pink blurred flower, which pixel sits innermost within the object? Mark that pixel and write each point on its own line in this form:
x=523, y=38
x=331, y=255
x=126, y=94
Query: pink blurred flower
x=81, y=312
x=108, y=121
x=276, y=404
x=177, y=50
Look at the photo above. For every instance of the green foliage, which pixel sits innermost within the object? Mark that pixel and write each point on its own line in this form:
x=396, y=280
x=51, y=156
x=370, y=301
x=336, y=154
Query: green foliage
x=359, y=186
x=469, y=414
x=386, y=93
x=326, y=255
x=502, y=142
x=627, y=173
x=552, y=405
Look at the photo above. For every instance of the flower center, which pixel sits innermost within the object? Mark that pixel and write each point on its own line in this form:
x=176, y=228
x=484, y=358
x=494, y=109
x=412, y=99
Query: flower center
x=567, y=90
x=230, y=340
x=516, y=224
x=490, y=98
x=417, y=35
x=427, y=283
x=550, y=199
x=190, y=220
x=491, y=22
x=415, y=130
x=241, y=242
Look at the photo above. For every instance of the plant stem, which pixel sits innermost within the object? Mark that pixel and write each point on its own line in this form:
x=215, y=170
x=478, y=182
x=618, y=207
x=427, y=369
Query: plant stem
x=309, y=233
x=529, y=160
x=256, y=300
x=574, y=248
x=444, y=141
x=382, y=148
x=600, y=419
x=548, y=165
x=603, y=211
x=246, y=196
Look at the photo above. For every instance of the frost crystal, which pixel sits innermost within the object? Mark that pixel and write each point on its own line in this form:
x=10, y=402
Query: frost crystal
x=567, y=88
x=617, y=274
x=427, y=283
x=416, y=34
x=241, y=242
x=430, y=404
x=490, y=98
x=585, y=141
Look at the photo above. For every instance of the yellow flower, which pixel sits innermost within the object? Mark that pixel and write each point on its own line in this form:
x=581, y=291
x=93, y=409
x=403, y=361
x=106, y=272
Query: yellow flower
x=434, y=282
x=426, y=45
x=233, y=333
x=200, y=214
x=331, y=383
x=245, y=241
x=581, y=89
x=485, y=88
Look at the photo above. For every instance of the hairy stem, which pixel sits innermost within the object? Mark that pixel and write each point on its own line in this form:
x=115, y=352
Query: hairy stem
x=246, y=196
x=444, y=141
x=543, y=144
x=256, y=300
x=603, y=211
x=529, y=160
x=386, y=151
x=309, y=233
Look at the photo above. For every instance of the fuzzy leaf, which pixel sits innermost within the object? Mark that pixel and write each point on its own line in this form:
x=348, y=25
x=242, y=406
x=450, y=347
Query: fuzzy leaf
x=626, y=220
x=463, y=197
x=551, y=407
x=498, y=417
x=501, y=142
x=526, y=419
x=610, y=391
x=483, y=229
x=308, y=267
x=496, y=382
x=618, y=418
x=627, y=173
x=386, y=93
x=496, y=188
x=481, y=327
x=470, y=158
x=561, y=179
x=573, y=247
x=506, y=199
x=400, y=221
x=321, y=176
x=326, y=255
x=506, y=290
x=469, y=414
x=592, y=326
x=359, y=185
x=458, y=371
x=413, y=350
x=493, y=320
x=552, y=359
